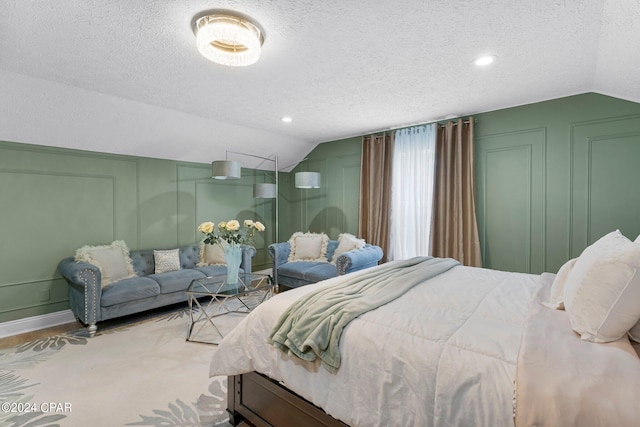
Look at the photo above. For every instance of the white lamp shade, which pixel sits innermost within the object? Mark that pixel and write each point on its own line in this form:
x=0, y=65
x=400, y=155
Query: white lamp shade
x=308, y=180
x=226, y=169
x=264, y=191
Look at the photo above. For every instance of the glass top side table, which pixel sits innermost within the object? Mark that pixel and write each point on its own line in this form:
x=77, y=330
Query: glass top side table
x=209, y=298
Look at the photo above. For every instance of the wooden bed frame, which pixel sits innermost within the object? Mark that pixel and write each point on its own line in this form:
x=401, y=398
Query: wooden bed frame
x=263, y=402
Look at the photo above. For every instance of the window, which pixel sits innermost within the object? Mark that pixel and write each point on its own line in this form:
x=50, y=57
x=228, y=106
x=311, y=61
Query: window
x=412, y=181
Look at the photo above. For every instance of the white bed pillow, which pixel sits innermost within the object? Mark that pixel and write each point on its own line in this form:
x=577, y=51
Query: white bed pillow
x=556, y=299
x=347, y=242
x=112, y=260
x=634, y=333
x=211, y=255
x=166, y=261
x=602, y=292
x=308, y=247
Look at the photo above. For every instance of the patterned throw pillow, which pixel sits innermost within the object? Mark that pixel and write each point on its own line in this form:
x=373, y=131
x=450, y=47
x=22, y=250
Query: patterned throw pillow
x=168, y=260
x=310, y=247
x=112, y=260
x=211, y=255
x=347, y=242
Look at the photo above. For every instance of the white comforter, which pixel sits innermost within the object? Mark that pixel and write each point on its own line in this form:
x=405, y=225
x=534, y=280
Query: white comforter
x=445, y=353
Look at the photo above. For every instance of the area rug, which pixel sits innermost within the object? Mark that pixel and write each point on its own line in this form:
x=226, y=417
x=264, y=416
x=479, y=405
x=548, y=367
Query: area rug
x=140, y=374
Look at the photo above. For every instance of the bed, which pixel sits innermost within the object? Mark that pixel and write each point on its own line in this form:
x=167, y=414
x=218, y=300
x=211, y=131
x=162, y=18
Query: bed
x=470, y=346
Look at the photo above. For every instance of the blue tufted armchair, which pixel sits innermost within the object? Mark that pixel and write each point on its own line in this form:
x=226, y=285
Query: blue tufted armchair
x=299, y=273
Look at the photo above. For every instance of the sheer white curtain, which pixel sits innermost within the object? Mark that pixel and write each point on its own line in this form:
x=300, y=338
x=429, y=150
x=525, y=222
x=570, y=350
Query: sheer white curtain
x=412, y=191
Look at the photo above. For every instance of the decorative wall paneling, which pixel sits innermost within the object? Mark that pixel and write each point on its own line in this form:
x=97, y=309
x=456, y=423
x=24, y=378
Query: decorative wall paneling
x=51, y=203
x=201, y=198
x=605, y=179
x=511, y=195
x=333, y=208
x=551, y=178
x=555, y=176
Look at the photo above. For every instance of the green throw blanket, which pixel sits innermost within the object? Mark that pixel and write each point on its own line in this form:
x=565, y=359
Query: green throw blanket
x=311, y=327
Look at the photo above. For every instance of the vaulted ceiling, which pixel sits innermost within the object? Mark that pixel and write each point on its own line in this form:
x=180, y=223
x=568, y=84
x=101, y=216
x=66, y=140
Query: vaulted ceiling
x=124, y=76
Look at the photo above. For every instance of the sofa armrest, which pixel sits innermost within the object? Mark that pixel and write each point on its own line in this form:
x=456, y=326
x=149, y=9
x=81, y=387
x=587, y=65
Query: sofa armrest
x=248, y=252
x=85, y=289
x=279, y=253
x=359, y=259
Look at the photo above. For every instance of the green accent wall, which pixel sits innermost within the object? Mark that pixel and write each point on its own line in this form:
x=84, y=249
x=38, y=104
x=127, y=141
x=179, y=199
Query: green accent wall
x=53, y=201
x=553, y=177
x=332, y=208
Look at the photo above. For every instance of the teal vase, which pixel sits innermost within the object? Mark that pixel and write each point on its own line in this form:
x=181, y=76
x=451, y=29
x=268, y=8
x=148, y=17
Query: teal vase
x=233, y=256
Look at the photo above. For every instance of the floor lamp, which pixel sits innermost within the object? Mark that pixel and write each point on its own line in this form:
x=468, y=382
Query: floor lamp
x=229, y=169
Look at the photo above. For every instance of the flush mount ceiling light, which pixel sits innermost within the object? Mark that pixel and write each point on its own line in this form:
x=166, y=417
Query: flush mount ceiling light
x=228, y=40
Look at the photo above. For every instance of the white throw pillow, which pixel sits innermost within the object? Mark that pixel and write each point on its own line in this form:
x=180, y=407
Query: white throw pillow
x=347, y=242
x=168, y=260
x=112, y=260
x=211, y=255
x=637, y=240
x=308, y=247
x=603, y=289
x=556, y=299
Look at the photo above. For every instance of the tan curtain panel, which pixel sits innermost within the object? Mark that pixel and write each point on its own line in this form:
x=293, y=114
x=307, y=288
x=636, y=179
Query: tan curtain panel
x=454, y=231
x=375, y=190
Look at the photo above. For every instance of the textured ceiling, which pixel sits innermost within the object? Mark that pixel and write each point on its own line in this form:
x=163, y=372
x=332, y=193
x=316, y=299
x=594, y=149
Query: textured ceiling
x=125, y=76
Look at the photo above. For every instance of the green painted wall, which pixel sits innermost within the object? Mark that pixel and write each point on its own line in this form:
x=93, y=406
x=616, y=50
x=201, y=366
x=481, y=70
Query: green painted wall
x=553, y=177
x=53, y=201
x=332, y=208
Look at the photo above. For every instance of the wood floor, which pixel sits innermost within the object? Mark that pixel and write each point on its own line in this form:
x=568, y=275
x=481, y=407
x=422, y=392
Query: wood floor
x=61, y=329
x=41, y=333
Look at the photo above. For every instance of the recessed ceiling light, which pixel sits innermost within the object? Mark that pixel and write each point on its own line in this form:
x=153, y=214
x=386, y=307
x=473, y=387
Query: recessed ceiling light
x=482, y=61
x=287, y=119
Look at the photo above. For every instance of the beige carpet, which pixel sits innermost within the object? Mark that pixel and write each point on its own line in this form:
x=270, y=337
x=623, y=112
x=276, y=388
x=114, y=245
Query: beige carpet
x=140, y=374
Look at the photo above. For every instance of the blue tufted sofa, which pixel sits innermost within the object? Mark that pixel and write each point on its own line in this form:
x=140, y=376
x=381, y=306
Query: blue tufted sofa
x=91, y=303
x=300, y=273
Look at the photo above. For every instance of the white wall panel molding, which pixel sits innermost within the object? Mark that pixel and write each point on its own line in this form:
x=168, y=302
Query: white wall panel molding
x=511, y=199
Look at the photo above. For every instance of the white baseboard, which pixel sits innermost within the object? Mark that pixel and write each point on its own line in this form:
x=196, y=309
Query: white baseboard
x=21, y=326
